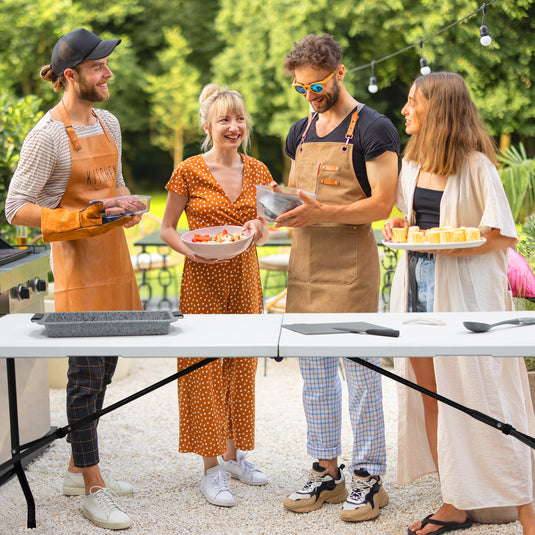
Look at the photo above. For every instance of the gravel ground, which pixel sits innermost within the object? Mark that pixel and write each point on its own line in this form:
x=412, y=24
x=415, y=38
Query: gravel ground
x=139, y=443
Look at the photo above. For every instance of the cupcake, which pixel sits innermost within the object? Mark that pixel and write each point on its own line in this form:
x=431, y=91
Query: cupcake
x=446, y=235
x=459, y=235
x=433, y=235
x=472, y=234
x=416, y=237
x=399, y=235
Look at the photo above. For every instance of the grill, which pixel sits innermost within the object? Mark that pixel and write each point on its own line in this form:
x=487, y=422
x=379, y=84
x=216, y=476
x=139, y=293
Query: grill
x=23, y=285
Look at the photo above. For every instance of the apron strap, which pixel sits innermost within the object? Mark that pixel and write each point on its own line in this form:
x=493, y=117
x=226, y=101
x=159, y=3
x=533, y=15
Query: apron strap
x=311, y=118
x=351, y=127
x=70, y=128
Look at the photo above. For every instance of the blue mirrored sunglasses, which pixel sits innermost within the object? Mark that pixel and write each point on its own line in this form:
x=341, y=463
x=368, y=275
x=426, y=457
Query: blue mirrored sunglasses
x=315, y=87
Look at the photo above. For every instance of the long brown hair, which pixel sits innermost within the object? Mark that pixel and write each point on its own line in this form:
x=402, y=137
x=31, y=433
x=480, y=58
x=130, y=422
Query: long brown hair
x=451, y=128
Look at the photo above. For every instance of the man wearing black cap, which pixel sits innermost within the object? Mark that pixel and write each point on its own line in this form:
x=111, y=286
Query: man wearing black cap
x=71, y=158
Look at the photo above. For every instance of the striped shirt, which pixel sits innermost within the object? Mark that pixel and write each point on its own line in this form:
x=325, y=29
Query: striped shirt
x=44, y=166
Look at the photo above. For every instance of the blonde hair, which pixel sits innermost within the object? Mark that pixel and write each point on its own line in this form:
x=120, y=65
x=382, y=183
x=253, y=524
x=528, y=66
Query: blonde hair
x=216, y=101
x=451, y=128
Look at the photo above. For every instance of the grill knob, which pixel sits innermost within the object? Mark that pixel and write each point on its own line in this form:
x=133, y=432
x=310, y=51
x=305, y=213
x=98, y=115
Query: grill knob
x=39, y=285
x=23, y=292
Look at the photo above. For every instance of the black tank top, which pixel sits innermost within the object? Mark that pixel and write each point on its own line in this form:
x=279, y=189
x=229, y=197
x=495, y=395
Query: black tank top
x=426, y=204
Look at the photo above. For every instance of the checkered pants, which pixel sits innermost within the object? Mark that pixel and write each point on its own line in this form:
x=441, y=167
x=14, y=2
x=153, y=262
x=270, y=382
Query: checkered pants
x=88, y=378
x=322, y=400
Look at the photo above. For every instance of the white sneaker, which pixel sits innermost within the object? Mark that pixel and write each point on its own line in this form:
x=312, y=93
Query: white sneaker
x=101, y=509
x=73, y=485
x=243, y=470
x=214, y=486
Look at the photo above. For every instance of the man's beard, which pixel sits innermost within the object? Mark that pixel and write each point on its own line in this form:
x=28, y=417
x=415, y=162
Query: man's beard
x=91, y=94
x=329, y=100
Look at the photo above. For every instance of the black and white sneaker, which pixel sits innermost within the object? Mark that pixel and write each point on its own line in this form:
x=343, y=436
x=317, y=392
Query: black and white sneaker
x=367, y=496
x=321, y=487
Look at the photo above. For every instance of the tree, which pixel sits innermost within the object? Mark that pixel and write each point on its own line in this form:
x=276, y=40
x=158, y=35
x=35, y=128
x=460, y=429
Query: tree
x=17, y=117
x=174, y=97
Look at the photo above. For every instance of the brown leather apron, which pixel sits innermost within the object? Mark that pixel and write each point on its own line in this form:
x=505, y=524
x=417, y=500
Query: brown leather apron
x=92, y=273
x=333, y=267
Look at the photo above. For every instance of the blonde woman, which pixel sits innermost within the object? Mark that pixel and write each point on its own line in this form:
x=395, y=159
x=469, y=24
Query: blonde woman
x=217, y=187
x=449, y=177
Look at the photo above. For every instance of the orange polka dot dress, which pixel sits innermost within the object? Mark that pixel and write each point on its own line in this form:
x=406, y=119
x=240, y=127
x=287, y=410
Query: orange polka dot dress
x=217, y=401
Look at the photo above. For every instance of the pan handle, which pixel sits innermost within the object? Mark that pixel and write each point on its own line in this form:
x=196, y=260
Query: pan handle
x=37, y=317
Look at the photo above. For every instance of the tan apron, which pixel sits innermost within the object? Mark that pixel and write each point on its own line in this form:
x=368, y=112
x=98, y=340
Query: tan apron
x=92, y=273
x=333, y=267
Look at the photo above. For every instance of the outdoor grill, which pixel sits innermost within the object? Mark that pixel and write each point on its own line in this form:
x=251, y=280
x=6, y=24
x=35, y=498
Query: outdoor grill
x=23, y=285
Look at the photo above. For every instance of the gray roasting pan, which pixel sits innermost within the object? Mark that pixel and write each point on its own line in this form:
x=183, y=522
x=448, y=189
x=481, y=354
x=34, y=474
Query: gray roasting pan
x=106, y=323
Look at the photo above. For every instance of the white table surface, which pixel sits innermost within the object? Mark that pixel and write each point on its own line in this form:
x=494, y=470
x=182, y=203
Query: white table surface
x=210, y=335
x=415, y=340
x=262, y=336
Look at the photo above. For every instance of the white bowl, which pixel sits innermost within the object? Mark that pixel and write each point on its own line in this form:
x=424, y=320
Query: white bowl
x=218, y=251
x=270, y=204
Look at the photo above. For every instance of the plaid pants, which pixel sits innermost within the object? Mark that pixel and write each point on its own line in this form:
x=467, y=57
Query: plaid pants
x=322, y=401
x=88, y=378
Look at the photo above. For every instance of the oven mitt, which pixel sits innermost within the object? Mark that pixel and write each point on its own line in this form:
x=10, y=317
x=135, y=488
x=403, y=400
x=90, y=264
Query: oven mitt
x=61, y=224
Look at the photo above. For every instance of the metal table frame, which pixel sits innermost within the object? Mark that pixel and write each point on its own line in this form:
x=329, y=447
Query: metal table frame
x=257, y=336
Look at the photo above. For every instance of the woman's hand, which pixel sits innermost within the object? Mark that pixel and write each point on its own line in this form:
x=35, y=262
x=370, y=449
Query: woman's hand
x=259, y=228
x=395, y=222
x=275, y=186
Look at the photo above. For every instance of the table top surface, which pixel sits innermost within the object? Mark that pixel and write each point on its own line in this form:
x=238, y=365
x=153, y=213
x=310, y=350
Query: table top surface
x=262, y=335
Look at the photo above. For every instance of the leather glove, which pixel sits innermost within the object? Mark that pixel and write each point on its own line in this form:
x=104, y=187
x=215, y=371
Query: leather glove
x=61, y=224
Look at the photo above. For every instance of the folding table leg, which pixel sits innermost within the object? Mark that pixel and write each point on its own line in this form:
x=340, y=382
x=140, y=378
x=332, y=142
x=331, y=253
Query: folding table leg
x=15, y=440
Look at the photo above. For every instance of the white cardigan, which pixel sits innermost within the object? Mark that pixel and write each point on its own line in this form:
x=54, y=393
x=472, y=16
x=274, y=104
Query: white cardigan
x=479, y=466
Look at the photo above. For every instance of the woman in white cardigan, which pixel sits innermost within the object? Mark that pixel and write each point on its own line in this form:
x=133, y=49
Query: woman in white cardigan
x=449, y=178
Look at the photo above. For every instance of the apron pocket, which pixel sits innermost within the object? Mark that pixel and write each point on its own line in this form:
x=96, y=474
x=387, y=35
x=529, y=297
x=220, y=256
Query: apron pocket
x=325, y=255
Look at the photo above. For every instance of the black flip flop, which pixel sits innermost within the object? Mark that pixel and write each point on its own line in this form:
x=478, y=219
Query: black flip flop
x=445, y=526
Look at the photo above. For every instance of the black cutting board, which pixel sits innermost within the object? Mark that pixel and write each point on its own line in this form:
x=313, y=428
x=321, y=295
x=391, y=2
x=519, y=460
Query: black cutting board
x=330, y=328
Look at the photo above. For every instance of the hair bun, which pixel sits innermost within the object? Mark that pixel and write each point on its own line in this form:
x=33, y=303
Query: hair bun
x=208, y=91
x=47, y=74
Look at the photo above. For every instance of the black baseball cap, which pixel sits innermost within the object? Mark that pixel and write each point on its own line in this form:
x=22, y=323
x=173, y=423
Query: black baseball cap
x=77, y=46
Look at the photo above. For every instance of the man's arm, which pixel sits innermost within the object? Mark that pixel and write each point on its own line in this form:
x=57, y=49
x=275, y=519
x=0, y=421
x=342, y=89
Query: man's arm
x=382, y=176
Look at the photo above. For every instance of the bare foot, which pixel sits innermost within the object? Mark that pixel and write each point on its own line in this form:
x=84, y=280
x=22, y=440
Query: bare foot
x=446, y=513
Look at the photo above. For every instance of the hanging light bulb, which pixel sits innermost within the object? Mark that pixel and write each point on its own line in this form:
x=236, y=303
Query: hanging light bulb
x=486, y=39
x=424, y=66
x=372, y=86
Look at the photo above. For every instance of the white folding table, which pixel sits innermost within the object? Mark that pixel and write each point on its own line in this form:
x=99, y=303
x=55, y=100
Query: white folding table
x=214, y=336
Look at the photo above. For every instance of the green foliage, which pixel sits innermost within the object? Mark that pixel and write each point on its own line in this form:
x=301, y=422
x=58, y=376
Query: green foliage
x=174, y=96
x=242, y=44
x=526, y=247
x=17, y=117
x=530, y=363
x=518, y=178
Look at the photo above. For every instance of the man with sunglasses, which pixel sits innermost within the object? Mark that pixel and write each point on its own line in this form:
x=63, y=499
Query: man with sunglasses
x=347, y=154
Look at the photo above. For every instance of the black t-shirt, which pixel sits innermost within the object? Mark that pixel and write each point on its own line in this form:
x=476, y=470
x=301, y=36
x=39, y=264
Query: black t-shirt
x=374, y=134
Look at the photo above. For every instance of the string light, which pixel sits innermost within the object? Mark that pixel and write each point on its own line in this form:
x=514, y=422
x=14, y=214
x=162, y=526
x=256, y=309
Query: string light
x=373, y=87
x=483, y=31
x=485, y=38
x=424, y=67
